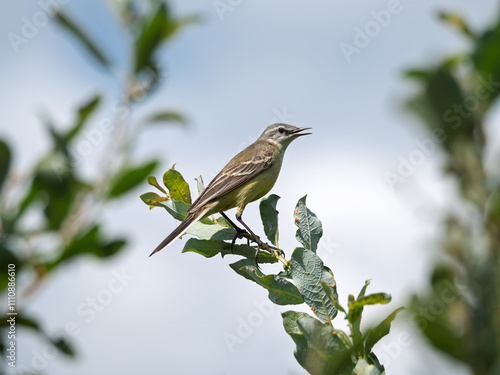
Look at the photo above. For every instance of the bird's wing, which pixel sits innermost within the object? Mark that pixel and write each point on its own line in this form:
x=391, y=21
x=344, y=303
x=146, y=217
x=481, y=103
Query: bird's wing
x=237, y=172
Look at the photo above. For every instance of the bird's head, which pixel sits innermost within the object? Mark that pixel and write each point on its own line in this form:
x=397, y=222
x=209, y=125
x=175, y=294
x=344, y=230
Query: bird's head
x=282, y=134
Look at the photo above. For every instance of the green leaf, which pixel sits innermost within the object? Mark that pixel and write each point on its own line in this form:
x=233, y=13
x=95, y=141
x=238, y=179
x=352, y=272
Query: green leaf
x=269, y=216
x=84, y=112
x=211, y=231
x=56, y=192
x=89, y=242
x=371, y=299
x=486, y=58
x=5, y=160
x=281, y=291
x=28, y=322
x=177, y=209
x=130, y=177
x=58, y=139
x=356, y=309
x=64, y=346
x=152, y=181
x=440, y=106
x=363, y=368
x=249, y=253
x=363, y=289
x=309, y=229
x=308, y=272
x=290, y=319
x=153, y=199
x=177, y=186
x=30, y=197
x=70, y=26
x=420, y=106
x=443, y=82
x=381, y=330
x=418, y=74
x=150, y=38
x=167, y=117
x=373, y=360
x=493, y=208
x=181, y=22
x=57, y=209
x=322, y=337
x=305, y=354
x=441, y=330
x=327, y=343
x=444, y=94
x=25, y=321
x=457, y=22
x=199, y=184
x=222, y=221
x=7, y=257
x=207, y=248
x=210, y=248
x=331, y=292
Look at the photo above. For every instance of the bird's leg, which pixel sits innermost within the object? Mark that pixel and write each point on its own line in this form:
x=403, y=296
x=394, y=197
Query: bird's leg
x=270, y=248
x=237, y=229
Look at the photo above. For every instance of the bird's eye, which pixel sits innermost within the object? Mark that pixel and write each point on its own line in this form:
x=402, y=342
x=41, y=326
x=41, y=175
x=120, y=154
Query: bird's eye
x=281, y=130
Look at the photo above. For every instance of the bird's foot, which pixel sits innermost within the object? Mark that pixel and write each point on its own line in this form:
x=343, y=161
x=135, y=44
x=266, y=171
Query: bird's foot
x=239, y=232
x=269, y=248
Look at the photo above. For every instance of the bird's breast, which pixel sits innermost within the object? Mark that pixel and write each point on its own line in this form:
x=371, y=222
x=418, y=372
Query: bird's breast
x=252, y=190
x=261, y=184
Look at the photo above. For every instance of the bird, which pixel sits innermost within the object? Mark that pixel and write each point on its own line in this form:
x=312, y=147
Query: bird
x=248, y=176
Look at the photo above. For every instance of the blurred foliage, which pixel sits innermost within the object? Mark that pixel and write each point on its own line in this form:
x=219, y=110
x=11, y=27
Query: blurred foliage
x=65, y=205
x=459, y=314
x=320, y=348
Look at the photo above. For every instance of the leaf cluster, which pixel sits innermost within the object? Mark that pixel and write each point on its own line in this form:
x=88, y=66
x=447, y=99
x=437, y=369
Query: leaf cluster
x=458, y=313
x=320, y=348
x=67, y=202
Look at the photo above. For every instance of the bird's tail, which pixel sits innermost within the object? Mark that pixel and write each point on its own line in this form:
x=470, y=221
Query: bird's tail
x=188, y=221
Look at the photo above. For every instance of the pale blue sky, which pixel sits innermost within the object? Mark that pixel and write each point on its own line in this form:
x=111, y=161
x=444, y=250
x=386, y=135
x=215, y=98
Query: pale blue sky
x=231, y=77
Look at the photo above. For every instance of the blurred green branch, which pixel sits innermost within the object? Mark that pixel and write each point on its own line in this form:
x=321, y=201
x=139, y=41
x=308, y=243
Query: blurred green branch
x=460, y=312
x=70, y=204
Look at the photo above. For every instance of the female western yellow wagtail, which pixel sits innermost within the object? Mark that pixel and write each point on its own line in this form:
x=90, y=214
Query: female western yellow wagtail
x=247, y=177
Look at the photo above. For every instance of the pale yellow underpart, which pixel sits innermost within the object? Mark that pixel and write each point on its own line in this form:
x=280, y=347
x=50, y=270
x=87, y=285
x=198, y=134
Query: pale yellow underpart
x=254, y=189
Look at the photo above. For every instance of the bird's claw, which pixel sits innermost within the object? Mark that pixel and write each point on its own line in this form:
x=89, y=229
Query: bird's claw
x=269, y=248
x=239, y=232
x=260, y=244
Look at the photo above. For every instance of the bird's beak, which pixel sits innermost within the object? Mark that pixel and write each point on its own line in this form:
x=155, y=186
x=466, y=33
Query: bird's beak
x=298, y=132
